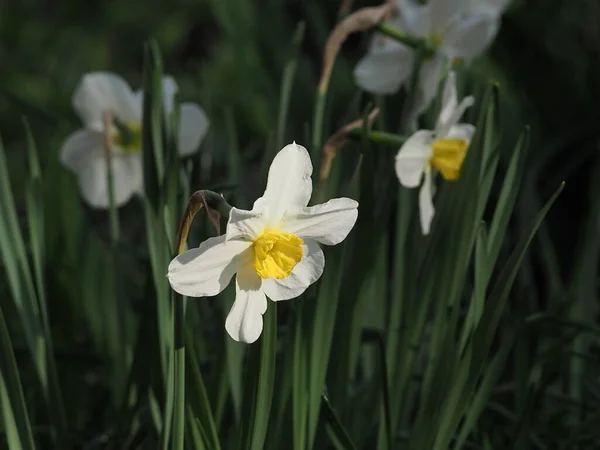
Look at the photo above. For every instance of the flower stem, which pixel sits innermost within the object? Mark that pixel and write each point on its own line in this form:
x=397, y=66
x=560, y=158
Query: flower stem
x=379, y=137
x=212, y=203
x=179, y=357
x=113, y=213
x=118, y=336
x=406, y=39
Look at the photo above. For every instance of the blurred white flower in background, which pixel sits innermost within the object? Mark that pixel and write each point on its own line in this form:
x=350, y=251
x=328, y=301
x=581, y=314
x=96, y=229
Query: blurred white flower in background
x=83, y=151
x=457, y=29
x=443, y=149
x=273, y=250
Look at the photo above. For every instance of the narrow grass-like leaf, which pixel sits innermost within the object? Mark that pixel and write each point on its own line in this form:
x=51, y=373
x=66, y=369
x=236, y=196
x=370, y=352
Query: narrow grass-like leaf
x=300, y=398
x=235, y=360
x=194, y=434
x=493, y=373
x=179, y=400
x=322, y=335
x=14, y=257
x=385, y=392
x=287, y=82
x=499, y=293
x=258, y=385
x=508, y=196
x=12, y=251
x=584, y=288
x=197, y=398
x=15, y=419
x=153, y=135
x=336, y=430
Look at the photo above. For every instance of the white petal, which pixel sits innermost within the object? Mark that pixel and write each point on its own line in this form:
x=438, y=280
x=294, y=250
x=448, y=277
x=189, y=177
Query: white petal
x=80, y=147
x=193, y=125
x=429, y=79
x=463, y=131
x=449, y=100
x=99, y=92
x=306, y=272
x=414, y=18
x=288, y=184
x=442, y=12
x=242, y=224
x=127, y=180
x=244, y=322
x=454, y=117
x=385, y=67
x=426, y=208
x=83, y=154
x=169, y=89
x=138, y=97
x=413, y=157
x=488, y=6
x=208, y=269
x=469, y=37
x=328, y=223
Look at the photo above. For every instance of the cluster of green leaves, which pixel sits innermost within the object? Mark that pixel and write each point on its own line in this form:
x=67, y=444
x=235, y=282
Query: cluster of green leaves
x=463, y=339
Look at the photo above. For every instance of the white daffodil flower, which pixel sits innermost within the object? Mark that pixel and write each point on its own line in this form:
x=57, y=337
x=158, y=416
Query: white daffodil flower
x=443, y=149
x=83, y=151
x=273, y=250
x=458, y=29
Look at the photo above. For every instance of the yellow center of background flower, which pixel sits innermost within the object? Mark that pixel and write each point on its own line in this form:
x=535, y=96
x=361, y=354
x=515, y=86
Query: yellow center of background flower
x=448, y=156
x=276, y=253
x=436, y=39
x=128, y=137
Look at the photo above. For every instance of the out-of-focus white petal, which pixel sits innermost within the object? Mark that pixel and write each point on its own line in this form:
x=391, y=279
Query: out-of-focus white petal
x=426, y=208
x=463, y=131
x=83, y=154
x=206, y=270
x=244, y=322
x=470, y=36
x=126, y=179
x=449, y=100
x=288, y=184
x=328, y=223
x=385, y=67
x=138, y=97
x=80, y=147
x=413, y=157
x=414, y=18
x=193, y=125
x=242, y=224
x=99, y=92
x=442, y=12
x=169, y=89
x=429, y=79
x=454, y=117
x=488, y=6
x=306, y=272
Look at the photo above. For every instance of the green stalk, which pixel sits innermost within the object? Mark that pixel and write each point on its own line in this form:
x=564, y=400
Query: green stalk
x=403, y=38
x=379, y=137
x=113, y=213
x=407, y=354
x=119, y=339
x=179, y=412
x=211, y=201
